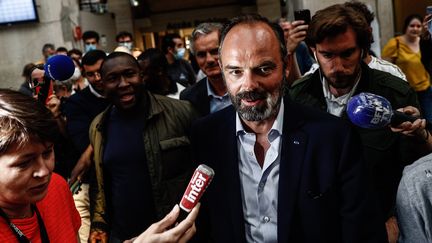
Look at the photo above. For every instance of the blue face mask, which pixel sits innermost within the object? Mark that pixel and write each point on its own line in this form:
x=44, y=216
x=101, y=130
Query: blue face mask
x=180, y=53
x=90, y=47
x=128, y=45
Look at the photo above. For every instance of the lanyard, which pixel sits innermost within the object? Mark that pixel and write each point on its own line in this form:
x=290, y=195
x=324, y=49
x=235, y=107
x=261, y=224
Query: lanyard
x=20, y=235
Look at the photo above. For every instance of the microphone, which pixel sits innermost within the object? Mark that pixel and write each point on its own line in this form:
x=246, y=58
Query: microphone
x=58, y=67
x=372, y=111
x=200, y=180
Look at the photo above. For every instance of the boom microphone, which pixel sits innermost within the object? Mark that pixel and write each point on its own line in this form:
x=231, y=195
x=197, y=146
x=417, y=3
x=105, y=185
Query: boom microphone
x=372, y=111
x=200, y=180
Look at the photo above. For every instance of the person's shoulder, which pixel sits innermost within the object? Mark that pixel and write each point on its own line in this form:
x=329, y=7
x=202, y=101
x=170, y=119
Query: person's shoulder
x=419, y=169
x=385, y=80
x=191, y=90
x=386, y=66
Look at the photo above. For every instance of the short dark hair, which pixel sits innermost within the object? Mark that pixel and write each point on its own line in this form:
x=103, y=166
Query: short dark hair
x=61, y=49
x=167, y=42
x=48, y=46
x=23, y=118
x=90, y=34
x=408, y=20
x=361, y=8
x=335, y=20
x=123, y=34
x=118, y=54
x=74, y=51
x=92, y=57
x=254, y=19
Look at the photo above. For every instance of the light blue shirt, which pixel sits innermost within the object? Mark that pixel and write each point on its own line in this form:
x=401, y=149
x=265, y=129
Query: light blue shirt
x=259, y=186
x=217, y=102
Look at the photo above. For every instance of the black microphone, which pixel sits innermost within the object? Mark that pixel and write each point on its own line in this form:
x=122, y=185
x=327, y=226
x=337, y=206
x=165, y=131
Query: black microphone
x=372, y=111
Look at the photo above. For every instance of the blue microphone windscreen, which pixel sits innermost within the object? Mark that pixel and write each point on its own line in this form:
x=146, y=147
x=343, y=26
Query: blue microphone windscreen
x=368, y=110
x=59, y=67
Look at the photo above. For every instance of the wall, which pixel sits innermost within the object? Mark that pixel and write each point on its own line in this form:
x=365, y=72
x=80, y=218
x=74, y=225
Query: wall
x=22, y=43
x=104, y=24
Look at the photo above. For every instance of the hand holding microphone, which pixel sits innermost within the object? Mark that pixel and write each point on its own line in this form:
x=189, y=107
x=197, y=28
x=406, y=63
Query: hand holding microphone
x=58, y=67
x=372, y=111
x=185, y=214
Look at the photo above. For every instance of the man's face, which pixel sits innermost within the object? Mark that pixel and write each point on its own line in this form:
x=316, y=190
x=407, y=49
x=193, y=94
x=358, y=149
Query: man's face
x=122, y=81
x=206, y=54
x=339, y=59
x=124, y=39
x=48, y=52
x=178, y=43
x=90, y=41
x=92, y=73
x=253, y=70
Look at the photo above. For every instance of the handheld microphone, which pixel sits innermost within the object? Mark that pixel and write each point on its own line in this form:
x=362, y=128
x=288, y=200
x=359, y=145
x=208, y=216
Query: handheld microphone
x=372, y=111
x=58, y=67
x=200, y=180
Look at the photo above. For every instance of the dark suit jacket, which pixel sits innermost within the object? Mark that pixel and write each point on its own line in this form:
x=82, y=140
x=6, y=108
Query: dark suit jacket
x=197, y=95
x=323, y=194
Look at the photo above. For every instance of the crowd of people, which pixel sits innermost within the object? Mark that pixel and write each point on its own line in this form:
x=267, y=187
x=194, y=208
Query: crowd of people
x=107, y=157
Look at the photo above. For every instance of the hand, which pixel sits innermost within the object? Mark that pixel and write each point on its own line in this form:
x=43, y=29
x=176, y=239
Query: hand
x=98, y=236
x=392, y=230
x=416, y=128
x=82, y=165
x=53, y=105
x=159, y=232
x=297, y=33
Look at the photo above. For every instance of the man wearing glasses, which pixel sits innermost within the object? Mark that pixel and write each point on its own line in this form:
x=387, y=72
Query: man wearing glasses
x=80, y=109
x=209, y=94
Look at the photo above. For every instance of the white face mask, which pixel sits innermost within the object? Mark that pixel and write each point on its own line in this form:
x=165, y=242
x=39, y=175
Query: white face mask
x=90, y=47
x=76, y=75
x=180, y=53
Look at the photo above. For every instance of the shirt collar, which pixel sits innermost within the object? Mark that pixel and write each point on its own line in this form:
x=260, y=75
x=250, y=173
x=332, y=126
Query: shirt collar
x=210, y=91
x=341, y=100
x=277, y=125
x=95, y=92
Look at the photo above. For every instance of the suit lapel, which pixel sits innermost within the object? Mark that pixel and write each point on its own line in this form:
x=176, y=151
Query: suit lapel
x=293, y=148
x=202, y=97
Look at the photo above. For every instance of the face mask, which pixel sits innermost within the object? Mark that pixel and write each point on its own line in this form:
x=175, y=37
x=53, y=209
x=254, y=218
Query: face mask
x=76, y=75
x=90, y=47
x=180, y=53
x=128, y=45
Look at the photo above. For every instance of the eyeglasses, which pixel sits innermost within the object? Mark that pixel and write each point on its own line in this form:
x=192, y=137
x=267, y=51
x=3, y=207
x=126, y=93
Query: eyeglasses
x=212, y=52
x=93, y=74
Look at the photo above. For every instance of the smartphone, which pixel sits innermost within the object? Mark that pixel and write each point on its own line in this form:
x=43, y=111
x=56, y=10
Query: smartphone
x=302, y=14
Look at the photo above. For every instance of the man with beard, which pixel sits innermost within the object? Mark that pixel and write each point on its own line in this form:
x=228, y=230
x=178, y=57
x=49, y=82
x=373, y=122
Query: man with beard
x=278, y=177
x=142, y=154
x=209, y=94
x=339, y=36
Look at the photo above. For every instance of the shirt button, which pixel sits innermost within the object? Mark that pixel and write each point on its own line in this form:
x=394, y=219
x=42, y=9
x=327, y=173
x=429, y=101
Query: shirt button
x=261, y=185
x=266, y=219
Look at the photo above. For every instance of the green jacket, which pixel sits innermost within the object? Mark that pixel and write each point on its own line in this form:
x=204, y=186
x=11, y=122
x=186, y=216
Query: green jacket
x=385, y=152
x=168, y=154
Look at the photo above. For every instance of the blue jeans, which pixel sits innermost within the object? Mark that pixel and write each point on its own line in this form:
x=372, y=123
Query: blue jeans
x=425, y=99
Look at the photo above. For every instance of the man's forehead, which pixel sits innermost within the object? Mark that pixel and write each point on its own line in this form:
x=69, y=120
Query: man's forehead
x=123, y=61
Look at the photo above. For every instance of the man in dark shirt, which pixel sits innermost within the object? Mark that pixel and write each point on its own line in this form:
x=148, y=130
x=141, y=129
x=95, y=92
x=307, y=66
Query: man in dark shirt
x=141, y=153
x=179, y=70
